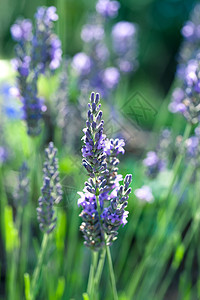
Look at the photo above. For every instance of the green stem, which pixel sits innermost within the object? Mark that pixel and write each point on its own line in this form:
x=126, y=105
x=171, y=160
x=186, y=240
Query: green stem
x=178, y=160
x=100, y=268
x=90, y=288
x=127, y=240
x=15, y=259
x=139, y=272
x=112, y=275
x=38, y=268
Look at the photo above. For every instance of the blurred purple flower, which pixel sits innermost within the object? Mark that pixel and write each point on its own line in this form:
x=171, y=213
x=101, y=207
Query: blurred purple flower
x=46, y=50
x=3, y=154
x=107, y=8
x=111, y=77
x=144, y=194
x=124, y=41
x=10, y=105
x=92, y=32
x=22, y=30
x=81, y=63
x=153, y=163
x=122, y=35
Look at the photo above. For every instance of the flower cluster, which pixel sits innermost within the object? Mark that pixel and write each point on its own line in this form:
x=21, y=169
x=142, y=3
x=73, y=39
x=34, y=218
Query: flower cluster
x=46, y=50
x=38, y=49
x=103, y=200
x=156, y=161
x=107, y=8
x=32, y=107
x=124, y=38
x=4, y=153
x=191, y=35
x=101, y=63
x=51, y=191
x=185, y=98
x=192, y=146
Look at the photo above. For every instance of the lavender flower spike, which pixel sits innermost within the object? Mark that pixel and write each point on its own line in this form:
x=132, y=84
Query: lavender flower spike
x=115, y=215
x=103, y=199
x=51, y=191
x=93, y=151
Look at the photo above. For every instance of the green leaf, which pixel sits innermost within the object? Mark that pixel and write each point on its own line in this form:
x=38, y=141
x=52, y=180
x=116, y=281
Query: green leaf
x=85, y=296
x=27, y=286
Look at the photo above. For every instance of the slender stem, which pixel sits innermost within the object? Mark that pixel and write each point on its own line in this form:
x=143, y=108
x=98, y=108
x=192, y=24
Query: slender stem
x=178, y=160
x=15, y=258
x=100, y=268
x=90, y=288
x=112, y=275
x=38, y=268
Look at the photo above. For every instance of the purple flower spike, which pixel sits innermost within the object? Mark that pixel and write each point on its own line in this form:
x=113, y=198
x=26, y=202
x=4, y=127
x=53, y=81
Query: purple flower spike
x=81, y=63
x=103, y=200
x=51, y=191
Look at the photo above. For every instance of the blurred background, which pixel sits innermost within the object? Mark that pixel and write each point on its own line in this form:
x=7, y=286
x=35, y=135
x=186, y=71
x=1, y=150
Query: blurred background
x=159, y=39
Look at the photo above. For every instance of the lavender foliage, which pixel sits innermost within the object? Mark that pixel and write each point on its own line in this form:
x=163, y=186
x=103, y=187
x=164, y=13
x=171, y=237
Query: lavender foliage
x=103, y=200
x=51, y=191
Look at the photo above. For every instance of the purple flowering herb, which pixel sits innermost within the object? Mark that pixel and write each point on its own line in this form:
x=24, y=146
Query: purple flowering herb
x=192, y=148
x=191, y=35
x=32, y=107
x=92, y=33
x=103, y=200
x=50, y=170
x=111, y=77
x=115, y=214
x=22, y=30
x=3, y=154
x=107, y=8
x=46, y=47
x=37, y=50
x=187, y=75
x=186, y=100
x=156, y=161
x=81, y=63
x=144, y=194
x=51, y=191
x=153, y=164
x=124, y=42
x=10, y=106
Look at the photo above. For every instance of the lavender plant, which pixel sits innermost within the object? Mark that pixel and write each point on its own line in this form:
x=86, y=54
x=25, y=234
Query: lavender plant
x=38, y=50
x=103, y=199
x=157, y=160
x=51, y=194
x=51, y=191
x=100, y=63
